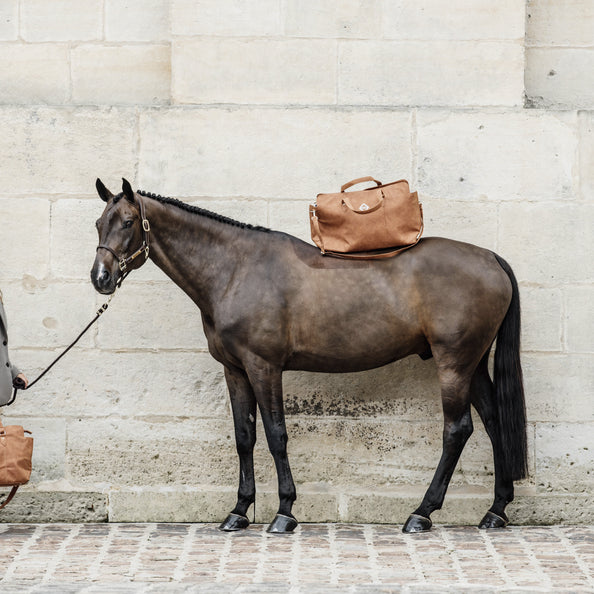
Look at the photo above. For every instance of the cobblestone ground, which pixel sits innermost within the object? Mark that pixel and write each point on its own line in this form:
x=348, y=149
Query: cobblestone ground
x=316, y=558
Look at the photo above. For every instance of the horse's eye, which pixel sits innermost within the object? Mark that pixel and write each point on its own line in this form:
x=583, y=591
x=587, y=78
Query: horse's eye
x=127, y=224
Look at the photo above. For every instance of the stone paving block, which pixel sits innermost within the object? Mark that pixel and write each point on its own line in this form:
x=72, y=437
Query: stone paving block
x=466, y=19
x=457, y=151
x=550, y=23
x=528, y=230
x=335, y=19
x=428, y=73
x=239, y=152
x=137, y=20
x=131, y=74
x=559, y=387
x=9, y=24
x=63, y=150
x=229, y=17
x=579, y=318
x=34, y=74
x=61, y=20
x=257, y=71
x=555, y=78
x=31, y=228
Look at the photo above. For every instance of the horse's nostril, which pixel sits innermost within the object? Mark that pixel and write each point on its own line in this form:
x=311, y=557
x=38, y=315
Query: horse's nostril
x=104, y=276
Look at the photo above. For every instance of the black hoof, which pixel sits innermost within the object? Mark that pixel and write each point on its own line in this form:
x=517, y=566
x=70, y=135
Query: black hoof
x=492, y=520
x=234, y=522
x=282, y=525
x=416, y=523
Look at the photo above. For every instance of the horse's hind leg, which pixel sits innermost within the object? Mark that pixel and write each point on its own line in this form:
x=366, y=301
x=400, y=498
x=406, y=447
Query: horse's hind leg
x=455, y=388
x=243, y=403
x=483, y=399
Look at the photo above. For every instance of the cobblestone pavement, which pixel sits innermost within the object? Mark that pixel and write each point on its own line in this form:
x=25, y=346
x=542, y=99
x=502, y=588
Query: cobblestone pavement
x=317, y=558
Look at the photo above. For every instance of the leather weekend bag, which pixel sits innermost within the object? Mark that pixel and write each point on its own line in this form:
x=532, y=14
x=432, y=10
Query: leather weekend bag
x=345, y=224
x=16, y=450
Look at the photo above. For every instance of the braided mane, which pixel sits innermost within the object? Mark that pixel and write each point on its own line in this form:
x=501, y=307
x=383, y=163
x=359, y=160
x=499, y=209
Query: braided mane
x=201, y=211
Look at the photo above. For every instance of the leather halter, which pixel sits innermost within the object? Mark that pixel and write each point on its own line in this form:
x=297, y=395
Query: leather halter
x=146, y=228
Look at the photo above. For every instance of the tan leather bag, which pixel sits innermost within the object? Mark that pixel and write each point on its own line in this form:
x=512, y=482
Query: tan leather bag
x=345, y=224
x=16, y=450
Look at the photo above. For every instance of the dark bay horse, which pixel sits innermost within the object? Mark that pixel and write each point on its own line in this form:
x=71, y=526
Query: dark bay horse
x=271, y=302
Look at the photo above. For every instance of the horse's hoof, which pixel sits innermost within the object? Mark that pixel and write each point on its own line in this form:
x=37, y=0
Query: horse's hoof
x=282, y=524
x=492, y=520
x=234, y=522
x=416, y=523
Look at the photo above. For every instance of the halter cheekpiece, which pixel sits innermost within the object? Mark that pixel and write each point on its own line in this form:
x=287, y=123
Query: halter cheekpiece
x=146, y=228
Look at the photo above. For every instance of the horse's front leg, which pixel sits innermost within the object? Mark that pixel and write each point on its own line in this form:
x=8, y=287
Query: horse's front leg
x=267, y=384
x=243, y=403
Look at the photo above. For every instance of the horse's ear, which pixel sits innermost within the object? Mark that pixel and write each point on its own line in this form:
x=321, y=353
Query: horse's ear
x=127, y=189
x=103, y=192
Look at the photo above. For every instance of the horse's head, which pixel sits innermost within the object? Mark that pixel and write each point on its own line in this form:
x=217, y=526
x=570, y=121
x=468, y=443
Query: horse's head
x=123, y=235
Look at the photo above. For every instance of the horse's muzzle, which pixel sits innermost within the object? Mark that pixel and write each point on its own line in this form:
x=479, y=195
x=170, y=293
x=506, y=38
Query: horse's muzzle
x=103, y=281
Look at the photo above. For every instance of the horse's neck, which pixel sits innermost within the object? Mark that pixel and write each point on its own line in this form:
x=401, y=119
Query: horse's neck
x=196, y=252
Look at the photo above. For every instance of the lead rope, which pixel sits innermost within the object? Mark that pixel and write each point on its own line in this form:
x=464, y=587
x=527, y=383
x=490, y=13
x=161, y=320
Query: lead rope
x=100, y=311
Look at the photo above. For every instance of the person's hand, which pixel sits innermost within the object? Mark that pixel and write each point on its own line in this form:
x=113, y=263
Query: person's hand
x=20, y=381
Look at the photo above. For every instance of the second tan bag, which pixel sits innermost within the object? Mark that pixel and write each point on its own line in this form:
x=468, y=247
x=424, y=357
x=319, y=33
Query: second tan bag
x=380, y=217
x=16, y=450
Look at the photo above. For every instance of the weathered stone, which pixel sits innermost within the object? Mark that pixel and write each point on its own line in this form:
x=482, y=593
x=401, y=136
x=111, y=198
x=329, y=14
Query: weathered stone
x=428, y=73
x=132, y=74
x=586, y=150
x=555, y=78
x=137, y=20
x=63, y=150
x=579, y=318
x=32, y=228
x=510, y=139
x=221, y=70
x=551, y=23
x=34, y=74
x=56, y=506
x=334, y=19
x=61, y=20
x=212, y=17
x=466, y=19
x=541, y=319
x=9, y=25
x=269, y=153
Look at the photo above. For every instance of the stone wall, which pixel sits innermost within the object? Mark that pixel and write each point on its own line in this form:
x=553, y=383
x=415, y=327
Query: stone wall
x=250, y=109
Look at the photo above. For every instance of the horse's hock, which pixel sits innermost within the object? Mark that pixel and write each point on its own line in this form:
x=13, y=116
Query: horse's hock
x=135, y=424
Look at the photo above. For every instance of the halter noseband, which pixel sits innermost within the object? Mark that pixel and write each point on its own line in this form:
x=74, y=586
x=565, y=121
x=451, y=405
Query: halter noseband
x=146, y=228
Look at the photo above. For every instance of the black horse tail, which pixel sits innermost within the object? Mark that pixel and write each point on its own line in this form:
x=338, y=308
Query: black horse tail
x=509, y=388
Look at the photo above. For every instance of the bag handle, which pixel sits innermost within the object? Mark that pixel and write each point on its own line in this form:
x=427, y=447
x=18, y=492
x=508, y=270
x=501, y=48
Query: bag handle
x=363, y=208
x=359, y=180
x=10, y=496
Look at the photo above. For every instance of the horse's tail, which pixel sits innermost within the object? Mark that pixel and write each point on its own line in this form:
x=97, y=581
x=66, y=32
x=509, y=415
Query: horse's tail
x=509, y=388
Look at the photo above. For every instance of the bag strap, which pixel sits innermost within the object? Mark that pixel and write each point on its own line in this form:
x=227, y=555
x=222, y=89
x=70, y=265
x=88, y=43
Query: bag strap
x=359, y=180
x=10, y=496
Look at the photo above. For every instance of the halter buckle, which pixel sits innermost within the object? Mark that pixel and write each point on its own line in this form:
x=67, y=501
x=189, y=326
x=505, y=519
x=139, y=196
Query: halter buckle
x=146, y=225
x=123, y=265
x=146, y=252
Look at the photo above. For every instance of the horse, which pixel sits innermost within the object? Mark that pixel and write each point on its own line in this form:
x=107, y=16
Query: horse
x=271, y=302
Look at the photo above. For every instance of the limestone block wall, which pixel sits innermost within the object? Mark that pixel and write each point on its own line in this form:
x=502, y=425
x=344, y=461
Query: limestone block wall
x=250, y=109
